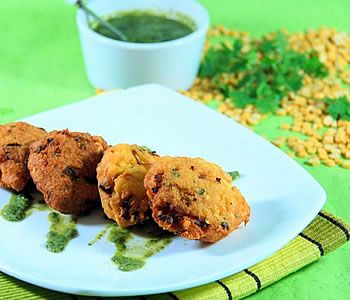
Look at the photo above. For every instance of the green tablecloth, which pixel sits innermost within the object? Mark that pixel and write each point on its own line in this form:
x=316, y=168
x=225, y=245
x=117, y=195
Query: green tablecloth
x=41, y=67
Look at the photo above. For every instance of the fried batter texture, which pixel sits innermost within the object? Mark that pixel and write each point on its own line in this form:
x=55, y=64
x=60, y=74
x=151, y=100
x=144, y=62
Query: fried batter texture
x=63, y=167
x=15, y=139
x=194, y=198
x=120, y=178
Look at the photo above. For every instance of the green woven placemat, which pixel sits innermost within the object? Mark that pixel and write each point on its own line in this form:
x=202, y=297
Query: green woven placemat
x=323, y=235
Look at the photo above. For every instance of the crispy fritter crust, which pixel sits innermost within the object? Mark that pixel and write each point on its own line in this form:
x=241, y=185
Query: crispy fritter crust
x=15, y=139
x=120, y=177
x=63, y=167
x=194, y=198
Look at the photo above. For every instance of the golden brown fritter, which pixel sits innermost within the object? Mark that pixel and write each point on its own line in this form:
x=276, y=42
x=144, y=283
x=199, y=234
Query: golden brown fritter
x=120, y=177
x=63, y=168
x=194, y=198
x=15, y=139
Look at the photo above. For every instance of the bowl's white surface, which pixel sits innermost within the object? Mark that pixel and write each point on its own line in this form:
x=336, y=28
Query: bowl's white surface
x=115, y=64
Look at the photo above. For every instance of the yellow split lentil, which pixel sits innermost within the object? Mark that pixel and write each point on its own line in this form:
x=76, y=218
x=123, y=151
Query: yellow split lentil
x=345, y=164
x=314, y=161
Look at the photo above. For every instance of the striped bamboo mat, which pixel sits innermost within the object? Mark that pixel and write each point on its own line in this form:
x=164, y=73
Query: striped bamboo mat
x=323, y=235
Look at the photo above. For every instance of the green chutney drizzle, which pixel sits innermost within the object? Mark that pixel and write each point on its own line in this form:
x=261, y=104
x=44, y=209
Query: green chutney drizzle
x=146, y=26
x=100, y=235
x=17, y=208
x=21, y=206
x=62, y=230
x=129, y=258
x=155, y=245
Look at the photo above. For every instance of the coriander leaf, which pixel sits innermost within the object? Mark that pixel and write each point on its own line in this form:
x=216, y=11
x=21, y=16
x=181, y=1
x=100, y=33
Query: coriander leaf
x=269, y=104
x=268, y=71
x=225, y=59
x=313, y=66
x=339, y=108
x=241, y=98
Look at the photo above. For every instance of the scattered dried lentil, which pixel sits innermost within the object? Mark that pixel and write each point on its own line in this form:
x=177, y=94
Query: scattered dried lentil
x=329, y=163
x=345, y=164
x=314, y=161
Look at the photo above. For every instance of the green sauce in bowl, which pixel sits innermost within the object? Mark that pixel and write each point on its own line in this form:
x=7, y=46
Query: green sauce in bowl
x=143, y=26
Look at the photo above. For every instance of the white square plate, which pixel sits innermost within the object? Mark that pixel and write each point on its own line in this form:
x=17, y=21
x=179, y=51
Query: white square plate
x=283, y=197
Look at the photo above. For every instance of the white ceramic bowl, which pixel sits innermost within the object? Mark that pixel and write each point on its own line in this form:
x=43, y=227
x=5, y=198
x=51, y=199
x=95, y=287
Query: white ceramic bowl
x=115, y=64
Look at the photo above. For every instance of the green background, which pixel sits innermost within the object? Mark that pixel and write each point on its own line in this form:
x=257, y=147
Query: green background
x=41, y=67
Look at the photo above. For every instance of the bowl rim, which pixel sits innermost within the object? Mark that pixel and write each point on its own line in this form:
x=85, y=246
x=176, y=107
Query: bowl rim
x=198, y=32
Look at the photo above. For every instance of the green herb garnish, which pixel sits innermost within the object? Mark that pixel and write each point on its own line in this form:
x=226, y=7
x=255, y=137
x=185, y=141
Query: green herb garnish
x=269, y=71
x=339, y=108
x=234, y=175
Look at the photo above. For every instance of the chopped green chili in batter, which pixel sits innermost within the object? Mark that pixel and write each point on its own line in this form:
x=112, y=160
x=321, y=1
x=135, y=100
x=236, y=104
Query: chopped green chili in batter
x=201, y=191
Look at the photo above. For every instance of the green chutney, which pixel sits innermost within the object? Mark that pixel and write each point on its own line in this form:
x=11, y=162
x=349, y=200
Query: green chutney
x=130, y=258
x=143, y=26
x=17, y=208
x=100, y=235
x=62, y=230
